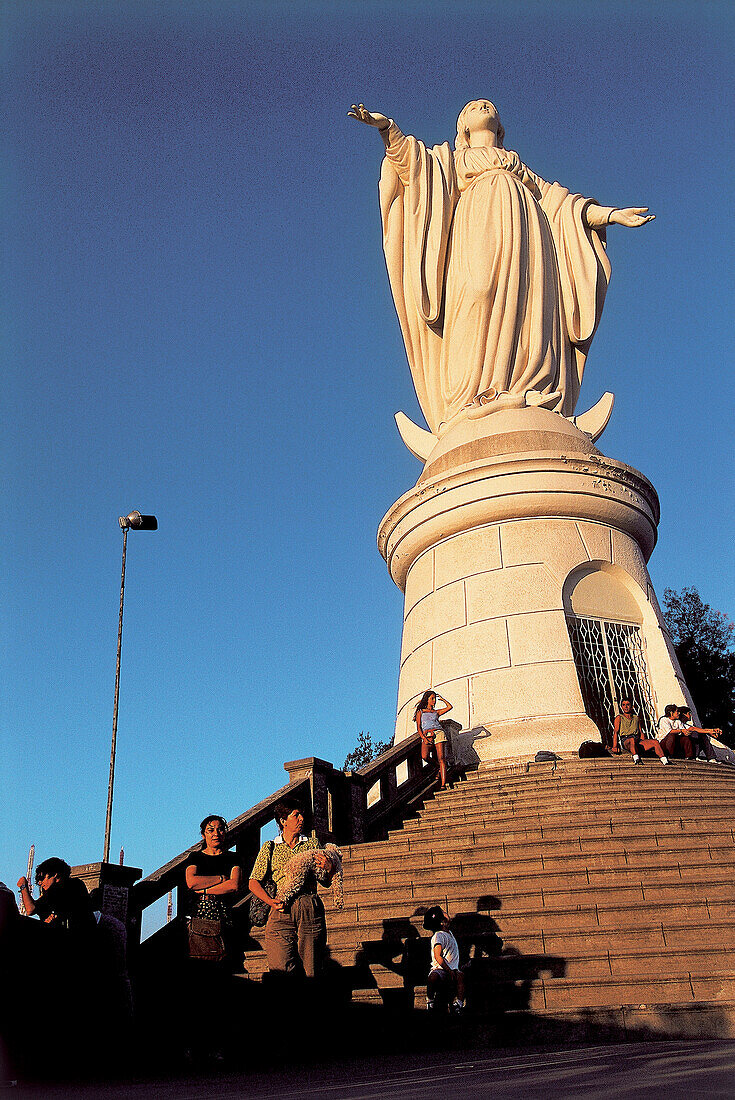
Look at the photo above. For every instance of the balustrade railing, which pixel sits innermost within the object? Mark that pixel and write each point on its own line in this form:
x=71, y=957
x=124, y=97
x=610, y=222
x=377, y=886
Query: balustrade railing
x=343, y=807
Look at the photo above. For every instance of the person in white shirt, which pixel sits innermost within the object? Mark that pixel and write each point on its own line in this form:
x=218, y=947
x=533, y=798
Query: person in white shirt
x=669, y=730
x=444, y=961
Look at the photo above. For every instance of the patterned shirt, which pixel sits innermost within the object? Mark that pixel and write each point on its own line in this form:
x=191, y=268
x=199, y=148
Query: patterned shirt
x=282, y=855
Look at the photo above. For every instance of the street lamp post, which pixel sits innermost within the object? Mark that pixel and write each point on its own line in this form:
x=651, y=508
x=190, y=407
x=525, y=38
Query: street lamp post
x=135, y=522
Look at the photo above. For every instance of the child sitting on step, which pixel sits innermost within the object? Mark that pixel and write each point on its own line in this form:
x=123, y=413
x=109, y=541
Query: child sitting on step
x=444, y=962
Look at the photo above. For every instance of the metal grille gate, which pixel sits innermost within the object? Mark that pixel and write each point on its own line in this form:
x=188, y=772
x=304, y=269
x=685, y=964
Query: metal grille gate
x=611, y=666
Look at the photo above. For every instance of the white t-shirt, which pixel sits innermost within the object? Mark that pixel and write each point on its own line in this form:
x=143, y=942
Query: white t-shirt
x=666, y=725
x=450, y=950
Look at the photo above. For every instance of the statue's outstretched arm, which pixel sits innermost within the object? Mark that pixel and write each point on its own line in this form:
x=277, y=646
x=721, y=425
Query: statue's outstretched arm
x=370, y=118
x=373, y=118
x=599, y=216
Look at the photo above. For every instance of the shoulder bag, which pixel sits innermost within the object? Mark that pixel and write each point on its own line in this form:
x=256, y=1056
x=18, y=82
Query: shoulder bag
x=259, y=909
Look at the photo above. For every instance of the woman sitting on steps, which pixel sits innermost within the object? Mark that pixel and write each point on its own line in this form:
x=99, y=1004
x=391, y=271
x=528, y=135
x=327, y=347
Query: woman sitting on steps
x=627, y=730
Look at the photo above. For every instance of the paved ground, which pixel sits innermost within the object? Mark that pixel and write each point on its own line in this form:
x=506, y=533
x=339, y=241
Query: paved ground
x=669, y=1071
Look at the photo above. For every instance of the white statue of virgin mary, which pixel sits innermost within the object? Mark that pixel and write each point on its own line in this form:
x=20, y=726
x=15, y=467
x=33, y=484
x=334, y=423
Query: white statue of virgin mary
x=498, y=277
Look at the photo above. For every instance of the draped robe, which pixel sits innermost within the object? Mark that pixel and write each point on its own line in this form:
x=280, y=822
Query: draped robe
x=497, y=280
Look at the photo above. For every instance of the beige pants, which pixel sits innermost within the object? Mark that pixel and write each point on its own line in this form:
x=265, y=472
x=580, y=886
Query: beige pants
x=297, y=938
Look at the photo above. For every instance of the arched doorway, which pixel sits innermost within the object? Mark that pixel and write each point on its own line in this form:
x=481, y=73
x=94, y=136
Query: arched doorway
x=604, y=621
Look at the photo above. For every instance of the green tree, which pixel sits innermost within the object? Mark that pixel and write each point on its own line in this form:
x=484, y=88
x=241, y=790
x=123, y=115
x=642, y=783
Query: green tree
x=703, y=639
x=365, y=751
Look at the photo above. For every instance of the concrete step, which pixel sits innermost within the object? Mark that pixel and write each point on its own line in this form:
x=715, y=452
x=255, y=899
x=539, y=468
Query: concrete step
x=592, y=772
x=570, y=945
x=617, y=771
x=474, y=931
x=652, y=950
x=601, y=969
x=470, y=861
x=582, y=993
x=481, y=844
x=586, y=826
x=554, y=802
x=612, y=888
x=593, y=968
x=550, y=800
x=569, y=995
x=511, y=882
x=628, y=811
x=534, y=898
x=587, y=770
x=373, y=922
x=685, y=1022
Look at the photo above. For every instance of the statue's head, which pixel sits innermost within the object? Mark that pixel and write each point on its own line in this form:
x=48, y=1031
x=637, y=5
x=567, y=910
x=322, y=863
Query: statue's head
x=478, y=114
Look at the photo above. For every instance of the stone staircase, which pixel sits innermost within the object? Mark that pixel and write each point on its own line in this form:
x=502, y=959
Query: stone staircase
x=611, y=886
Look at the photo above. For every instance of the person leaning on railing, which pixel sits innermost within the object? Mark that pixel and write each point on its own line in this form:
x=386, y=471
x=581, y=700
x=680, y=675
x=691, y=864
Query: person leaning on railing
x=432, y=733
x=295, y=936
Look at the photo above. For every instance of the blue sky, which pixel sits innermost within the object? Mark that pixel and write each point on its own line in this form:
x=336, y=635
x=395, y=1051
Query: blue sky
x=197, y=323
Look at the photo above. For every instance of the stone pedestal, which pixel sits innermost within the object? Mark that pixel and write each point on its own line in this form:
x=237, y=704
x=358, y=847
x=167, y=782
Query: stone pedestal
x=516, y=523
x=114, y=882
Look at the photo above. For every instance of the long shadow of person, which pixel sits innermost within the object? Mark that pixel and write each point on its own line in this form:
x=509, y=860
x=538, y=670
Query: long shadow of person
x=400, y=949
x=499, y=977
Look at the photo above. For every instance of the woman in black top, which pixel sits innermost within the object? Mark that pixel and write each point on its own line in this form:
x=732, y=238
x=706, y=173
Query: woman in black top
x=214, y=877
x=214, y=874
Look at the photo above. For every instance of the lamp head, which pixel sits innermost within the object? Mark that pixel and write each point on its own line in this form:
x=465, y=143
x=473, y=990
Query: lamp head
x=138, y=522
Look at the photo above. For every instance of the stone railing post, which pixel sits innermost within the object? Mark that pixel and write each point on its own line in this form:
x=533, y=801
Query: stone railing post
x=338, y=799
x=318, y=773
x=388, y=785
x=114, y=884
x=356, y=806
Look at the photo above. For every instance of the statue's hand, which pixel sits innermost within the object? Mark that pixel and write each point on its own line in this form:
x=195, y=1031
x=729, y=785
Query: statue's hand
x=632, y=216
x=361, y=113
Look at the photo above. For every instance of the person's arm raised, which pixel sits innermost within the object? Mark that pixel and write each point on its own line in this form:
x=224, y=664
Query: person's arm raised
x=25, y=893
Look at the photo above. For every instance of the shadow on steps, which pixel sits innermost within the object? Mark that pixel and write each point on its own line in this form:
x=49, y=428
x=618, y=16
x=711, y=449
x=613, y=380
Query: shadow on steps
x=265, y=1025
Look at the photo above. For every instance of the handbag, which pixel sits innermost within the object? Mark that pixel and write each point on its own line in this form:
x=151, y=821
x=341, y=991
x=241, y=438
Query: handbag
x=206, y=940
x=259, y=910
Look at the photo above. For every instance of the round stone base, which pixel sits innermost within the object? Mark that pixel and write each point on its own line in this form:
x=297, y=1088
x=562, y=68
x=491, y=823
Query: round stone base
x=508, y=511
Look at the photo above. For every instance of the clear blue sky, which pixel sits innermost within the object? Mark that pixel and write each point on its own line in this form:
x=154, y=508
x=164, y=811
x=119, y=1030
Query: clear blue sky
x=197, y=323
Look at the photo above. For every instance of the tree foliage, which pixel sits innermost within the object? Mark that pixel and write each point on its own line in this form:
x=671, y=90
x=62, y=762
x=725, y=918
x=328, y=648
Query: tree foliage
x=703, y=639
x=365, y=751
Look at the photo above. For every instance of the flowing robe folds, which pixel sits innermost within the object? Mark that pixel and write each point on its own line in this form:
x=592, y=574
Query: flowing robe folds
x=497, y=280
